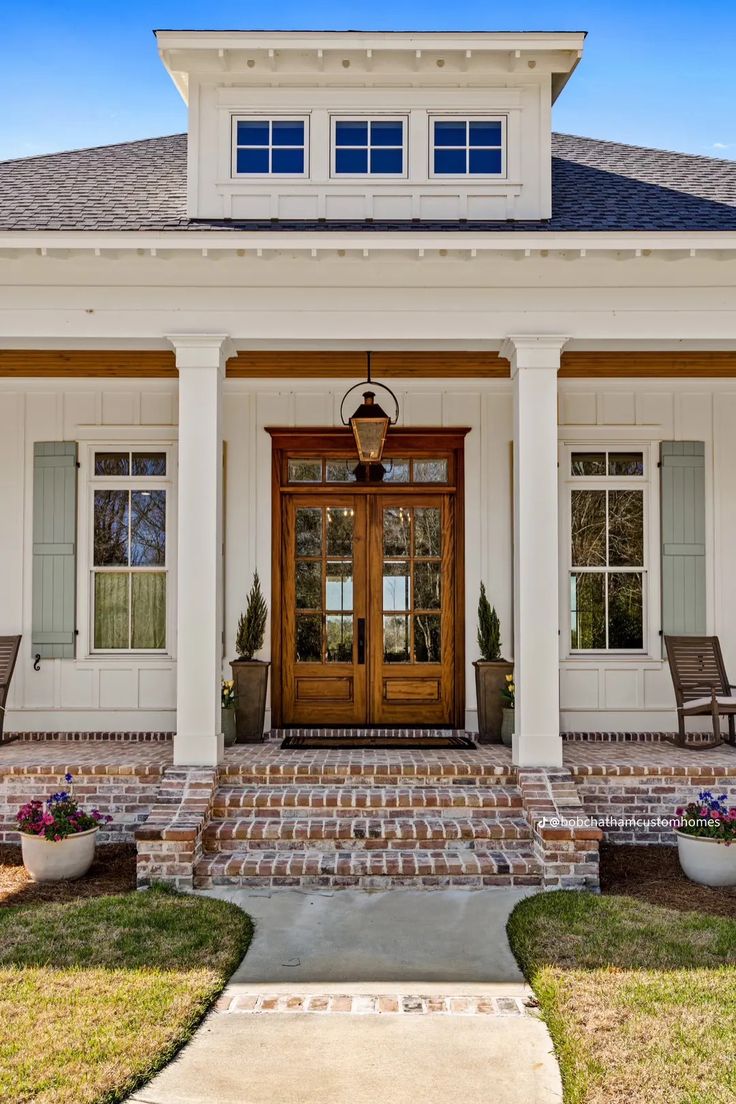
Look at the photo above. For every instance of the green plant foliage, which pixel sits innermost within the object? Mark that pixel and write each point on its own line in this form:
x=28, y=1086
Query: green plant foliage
x=252, y=623
x=489, y=628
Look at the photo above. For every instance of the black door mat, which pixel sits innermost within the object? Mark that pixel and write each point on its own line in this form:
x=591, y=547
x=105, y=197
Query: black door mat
x=429, y=741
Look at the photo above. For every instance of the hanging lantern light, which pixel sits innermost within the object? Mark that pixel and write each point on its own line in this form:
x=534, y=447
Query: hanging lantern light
x=370, y=425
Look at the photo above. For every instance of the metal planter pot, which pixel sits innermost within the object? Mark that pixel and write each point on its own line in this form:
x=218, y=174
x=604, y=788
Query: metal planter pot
x=251, y=684
x=228, y=726
x=490, y=678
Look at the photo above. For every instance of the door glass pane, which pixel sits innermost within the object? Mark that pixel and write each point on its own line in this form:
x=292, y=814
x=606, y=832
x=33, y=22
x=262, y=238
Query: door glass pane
x=110, y=528
x=112, y=463
x=395, y=639
x=339, y=638
x=308, y=531
x=625, y=463
x=625, y=623
x=148, y=613
x=588, y=610
x=148, y=528
x=427, y=647
x=305, y=471
x=588, y=463
x=427, y=585
x=397, y=471
x=430, y=471
x=588, y=528
x=339, y=586
x=149, y=463
x=427, y=531
x=340, y=471
x=308, y=585
x=396, y=528
x=626, y=528
x=339, y=531
x=112, y=609
x=309, y=638
x=396, y=580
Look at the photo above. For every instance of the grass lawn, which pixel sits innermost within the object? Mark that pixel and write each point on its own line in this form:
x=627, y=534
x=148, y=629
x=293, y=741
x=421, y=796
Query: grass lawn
x=97, y=994
x=640, y=1000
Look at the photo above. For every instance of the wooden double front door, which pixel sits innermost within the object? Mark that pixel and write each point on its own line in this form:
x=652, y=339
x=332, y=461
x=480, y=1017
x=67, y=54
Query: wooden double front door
x=367, y=581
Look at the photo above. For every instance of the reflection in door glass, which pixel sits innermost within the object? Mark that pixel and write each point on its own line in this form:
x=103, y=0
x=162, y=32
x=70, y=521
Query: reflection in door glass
x=396, y=529
x=395, y=639
x=305, y=471
x=396, y=578
x=339, y=531
x=397, y=471
x=339, y=585
x=308, y=531
x=427, y=531
x=339, y=638
x=427, y=585
x=430, y=471
x=340, y=471
x=427, y=635
x=308, y=585
x=309, y=638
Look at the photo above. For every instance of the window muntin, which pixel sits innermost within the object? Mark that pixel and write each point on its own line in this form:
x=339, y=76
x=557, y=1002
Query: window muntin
x=369, y=147
x=314, y=470
x=607, y=550
x=269, y=147
x=467, y=147
x=129, y=563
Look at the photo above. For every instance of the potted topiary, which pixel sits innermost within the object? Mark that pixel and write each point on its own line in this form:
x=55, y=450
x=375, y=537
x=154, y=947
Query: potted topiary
x=490, y=672
x=706, y=840
x=57, y=838
x=228, y=711
x=249, y=674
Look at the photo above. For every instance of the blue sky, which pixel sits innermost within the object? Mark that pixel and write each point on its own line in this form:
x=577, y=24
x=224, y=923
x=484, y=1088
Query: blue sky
x=81, y=73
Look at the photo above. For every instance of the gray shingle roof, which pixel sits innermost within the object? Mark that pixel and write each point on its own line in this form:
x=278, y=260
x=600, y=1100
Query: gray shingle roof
x=597, y=185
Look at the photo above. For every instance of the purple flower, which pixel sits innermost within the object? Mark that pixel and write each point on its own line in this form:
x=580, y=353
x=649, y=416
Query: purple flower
x=68, y=777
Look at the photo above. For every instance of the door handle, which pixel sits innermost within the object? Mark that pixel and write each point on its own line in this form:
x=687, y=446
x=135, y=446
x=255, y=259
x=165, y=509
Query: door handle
x=361, y=640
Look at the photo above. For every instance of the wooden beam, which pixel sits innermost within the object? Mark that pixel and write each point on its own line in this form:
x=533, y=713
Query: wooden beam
x=352, y=365
x=52, y=363
x=652, y=364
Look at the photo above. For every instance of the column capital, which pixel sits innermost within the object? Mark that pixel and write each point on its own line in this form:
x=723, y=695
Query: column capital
x=202, y=350
x=533, y=351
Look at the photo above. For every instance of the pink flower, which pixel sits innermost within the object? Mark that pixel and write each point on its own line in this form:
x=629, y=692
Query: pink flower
x=57, y=838
x=679, y=810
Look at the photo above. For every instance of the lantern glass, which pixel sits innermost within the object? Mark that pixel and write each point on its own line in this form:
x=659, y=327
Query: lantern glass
x=370, y=425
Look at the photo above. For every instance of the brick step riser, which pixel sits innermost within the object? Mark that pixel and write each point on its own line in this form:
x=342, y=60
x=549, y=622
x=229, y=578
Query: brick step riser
x=225, y=846
x=368, y=881
x=345, y=777
x=232, y=809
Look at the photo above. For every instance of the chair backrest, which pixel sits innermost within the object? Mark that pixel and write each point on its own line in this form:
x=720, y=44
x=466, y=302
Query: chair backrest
x=9, y=646
x=696, y=665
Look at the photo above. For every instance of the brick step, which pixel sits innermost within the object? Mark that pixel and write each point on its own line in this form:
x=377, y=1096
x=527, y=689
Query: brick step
x=267, y=765
x=369, y=869
x=383, y=801
x=364, y=833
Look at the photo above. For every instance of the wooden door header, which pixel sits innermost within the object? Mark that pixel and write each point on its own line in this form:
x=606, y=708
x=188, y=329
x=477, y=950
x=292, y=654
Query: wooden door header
x=409, y=439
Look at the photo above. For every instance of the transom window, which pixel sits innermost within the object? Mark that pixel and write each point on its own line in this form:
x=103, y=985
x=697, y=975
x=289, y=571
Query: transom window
x=129, y=575
x=607, y=550
x=342, y=470
x=467, y=147
x=372, y=147
x=265, y=147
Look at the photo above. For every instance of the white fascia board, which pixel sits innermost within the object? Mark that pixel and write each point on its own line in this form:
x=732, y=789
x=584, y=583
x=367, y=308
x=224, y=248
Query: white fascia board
x=398, y=241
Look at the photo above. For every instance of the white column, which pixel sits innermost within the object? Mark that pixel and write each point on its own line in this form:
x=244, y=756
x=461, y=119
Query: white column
x=200, y=359
x=535, y=361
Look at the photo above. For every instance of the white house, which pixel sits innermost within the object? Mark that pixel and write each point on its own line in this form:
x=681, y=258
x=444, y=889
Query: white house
x=180, y=318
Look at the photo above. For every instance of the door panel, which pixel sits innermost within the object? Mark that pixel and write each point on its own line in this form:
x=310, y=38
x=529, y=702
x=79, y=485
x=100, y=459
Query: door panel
x=323, y=582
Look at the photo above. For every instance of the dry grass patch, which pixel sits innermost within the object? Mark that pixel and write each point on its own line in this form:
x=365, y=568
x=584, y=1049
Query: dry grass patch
x=96, y=995
x=640, y=1000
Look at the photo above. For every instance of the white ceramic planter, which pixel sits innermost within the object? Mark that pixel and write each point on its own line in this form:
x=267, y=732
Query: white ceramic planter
x=709, y=862
x=55, y=861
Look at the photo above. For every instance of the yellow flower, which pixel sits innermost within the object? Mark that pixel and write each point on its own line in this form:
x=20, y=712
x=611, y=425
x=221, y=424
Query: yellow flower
x=512, y=688
x=509, y=678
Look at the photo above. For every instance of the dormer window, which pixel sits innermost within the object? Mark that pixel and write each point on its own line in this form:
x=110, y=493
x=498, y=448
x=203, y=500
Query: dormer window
x=369, y=147
x=270, y=147
x=467, y=147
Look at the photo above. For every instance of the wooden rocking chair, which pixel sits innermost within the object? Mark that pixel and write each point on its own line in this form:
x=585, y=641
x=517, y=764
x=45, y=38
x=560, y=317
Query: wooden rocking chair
x=9, y=646
x=701, y=686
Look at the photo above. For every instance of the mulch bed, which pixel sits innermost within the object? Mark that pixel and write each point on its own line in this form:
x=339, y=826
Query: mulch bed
x=113, y=871
x=653, y=874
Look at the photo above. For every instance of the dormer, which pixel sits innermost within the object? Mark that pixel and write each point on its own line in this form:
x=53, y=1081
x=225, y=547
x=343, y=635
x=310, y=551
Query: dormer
x=356, y=125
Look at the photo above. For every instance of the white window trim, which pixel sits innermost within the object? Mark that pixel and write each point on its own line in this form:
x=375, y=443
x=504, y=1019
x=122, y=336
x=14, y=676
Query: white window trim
x=360, y=117
x=136, y=441
x=468, y=117
x=267, y=117
x=651, y=617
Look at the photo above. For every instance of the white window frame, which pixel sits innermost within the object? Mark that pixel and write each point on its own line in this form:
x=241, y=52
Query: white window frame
x=87, y=569
x=649, y=572
x=268, y=117
x=375, y=117
x=467, y=118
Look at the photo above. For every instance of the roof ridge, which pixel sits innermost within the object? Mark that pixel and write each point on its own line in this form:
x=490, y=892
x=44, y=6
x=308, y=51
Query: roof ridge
x=644, y=149
x=92, y=149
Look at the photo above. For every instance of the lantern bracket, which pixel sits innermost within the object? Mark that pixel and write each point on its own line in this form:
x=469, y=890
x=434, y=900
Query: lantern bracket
x=372, y=383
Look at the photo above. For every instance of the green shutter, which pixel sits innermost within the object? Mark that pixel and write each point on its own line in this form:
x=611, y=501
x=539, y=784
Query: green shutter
x=54, y=549
x=683, y=537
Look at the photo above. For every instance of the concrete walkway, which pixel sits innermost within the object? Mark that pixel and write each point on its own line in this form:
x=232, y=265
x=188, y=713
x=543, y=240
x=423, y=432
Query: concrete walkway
x=358, y=997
